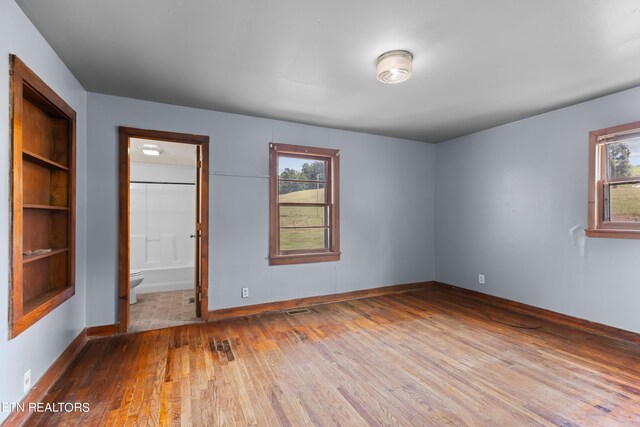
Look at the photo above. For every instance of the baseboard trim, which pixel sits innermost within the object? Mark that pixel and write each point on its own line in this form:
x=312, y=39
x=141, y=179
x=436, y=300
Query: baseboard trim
x=251, y=310
x=103, y=330
x=44, y=384
x=544, y=314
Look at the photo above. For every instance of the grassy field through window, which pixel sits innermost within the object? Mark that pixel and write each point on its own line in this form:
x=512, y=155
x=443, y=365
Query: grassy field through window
x=625, y=203
x=303, y=216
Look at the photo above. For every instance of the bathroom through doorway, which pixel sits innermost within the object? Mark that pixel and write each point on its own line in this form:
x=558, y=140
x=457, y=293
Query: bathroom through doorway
x=163, y=260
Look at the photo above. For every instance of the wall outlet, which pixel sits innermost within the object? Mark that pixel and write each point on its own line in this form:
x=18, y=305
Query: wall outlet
x=481, y=279
x=245, y=292
x=26, y=384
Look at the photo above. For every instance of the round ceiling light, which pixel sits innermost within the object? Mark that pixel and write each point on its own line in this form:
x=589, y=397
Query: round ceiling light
x=394, y=66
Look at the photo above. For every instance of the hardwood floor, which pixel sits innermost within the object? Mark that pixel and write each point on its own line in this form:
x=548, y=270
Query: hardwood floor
x=427, y=358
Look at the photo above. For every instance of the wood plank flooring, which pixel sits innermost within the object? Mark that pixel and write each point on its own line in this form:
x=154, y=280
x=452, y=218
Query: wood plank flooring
x=423, y=358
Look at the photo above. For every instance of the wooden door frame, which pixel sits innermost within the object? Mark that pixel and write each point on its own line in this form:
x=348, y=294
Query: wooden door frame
x=126, y=133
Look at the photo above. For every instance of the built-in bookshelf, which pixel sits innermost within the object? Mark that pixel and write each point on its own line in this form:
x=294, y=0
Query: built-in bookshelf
x=42, y=198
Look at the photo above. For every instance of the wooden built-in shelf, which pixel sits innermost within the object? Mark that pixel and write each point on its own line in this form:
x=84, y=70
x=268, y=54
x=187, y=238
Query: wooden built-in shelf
x=46, y=207
x=42, y=161
x=42, y=198
x=31, y=258
x=35, y=302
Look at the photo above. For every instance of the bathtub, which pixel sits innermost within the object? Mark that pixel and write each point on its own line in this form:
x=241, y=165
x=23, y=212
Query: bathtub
x=160, y=279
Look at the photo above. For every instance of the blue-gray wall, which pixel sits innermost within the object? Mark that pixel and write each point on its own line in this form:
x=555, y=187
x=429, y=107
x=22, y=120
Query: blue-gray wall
x=506, y=199
x=387, y=205
x=41, y=344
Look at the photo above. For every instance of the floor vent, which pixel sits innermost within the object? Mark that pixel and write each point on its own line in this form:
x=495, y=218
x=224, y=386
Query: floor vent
x=192, y=300
x=297, y=311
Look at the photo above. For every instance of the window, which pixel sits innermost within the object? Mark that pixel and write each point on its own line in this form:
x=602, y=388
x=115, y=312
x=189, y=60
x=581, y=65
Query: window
x=614, y=182
x=304, y=204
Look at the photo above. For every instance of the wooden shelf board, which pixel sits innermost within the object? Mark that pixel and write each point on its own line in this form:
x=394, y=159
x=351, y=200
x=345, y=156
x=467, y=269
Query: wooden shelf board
x=48, y=207
x=42, y=161
x=41, y=299
x=31, y=258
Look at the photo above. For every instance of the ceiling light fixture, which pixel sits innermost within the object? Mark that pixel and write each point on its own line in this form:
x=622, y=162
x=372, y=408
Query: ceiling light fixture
x=394, y=66
x=151, y=151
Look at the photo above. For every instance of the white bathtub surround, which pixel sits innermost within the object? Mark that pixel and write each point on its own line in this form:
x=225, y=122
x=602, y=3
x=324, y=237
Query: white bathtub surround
x=167, y=279
x=162, y=221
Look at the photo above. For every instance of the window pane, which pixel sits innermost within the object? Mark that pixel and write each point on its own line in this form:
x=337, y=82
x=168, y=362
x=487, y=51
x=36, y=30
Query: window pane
x=303, y=216
x=624, y=158
x=301, y=192
x=304, y=239
x=305, y=169
x=625, y=202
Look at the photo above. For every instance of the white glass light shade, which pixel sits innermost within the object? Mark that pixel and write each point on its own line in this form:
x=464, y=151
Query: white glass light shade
x=394, y=66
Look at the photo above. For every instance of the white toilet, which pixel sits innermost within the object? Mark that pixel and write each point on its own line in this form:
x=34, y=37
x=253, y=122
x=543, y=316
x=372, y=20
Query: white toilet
x=135, y=278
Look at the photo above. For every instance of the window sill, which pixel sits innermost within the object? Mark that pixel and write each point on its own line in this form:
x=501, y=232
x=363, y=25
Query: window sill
x=613, y=233
x=304, y=258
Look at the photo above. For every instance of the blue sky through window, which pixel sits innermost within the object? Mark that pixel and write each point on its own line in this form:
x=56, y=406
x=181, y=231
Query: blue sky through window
x=294, y=163
x=634, y=147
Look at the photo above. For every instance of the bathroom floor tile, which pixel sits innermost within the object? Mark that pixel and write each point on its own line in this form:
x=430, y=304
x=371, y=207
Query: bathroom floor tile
x=161, y=310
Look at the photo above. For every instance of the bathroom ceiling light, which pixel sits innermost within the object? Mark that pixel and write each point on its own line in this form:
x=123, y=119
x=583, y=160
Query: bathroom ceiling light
x=150, y=151
x=394, y=66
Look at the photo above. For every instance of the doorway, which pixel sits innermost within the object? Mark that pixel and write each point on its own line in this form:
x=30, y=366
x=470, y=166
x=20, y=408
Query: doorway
x=161, y=173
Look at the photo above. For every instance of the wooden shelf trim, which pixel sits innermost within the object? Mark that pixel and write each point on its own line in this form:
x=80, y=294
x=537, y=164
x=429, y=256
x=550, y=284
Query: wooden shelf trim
x=37, y=301
x=38, y=307
x=31, y=258
x=47, y=207
x=42, y=161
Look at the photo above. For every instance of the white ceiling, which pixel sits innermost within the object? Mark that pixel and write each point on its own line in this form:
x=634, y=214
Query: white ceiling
x=477, y=64
x=171, y=153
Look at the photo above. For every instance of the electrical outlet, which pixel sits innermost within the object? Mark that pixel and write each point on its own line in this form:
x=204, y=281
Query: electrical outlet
x=245, y=292
x=481, y=279
x=26, y=386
